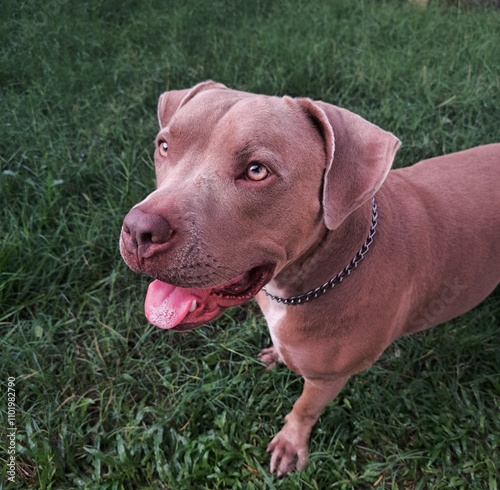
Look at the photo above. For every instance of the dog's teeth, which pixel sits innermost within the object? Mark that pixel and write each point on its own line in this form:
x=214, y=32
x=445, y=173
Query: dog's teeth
x=194, y=304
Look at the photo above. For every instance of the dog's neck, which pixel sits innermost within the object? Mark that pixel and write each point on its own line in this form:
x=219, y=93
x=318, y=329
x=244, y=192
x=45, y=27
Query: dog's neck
x=327, y=256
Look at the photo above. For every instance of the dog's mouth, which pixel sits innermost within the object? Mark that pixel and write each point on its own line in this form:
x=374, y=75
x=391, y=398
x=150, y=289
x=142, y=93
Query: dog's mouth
x=172, y=307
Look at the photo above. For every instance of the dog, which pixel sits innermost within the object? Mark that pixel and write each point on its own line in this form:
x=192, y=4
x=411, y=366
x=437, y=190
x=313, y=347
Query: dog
x=292, y=201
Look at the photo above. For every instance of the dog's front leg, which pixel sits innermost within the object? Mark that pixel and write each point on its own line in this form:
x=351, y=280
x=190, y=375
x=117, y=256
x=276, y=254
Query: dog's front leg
x=289, y=448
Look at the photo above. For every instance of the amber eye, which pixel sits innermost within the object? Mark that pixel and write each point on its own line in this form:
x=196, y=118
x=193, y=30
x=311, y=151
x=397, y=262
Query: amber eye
x=257, y=171
x=163, y=147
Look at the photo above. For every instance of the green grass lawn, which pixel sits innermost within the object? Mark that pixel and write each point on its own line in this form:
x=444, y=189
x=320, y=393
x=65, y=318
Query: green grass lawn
x=106, y=401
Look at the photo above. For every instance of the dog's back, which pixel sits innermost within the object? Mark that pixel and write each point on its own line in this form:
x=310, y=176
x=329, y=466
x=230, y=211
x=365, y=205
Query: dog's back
x=452, y=207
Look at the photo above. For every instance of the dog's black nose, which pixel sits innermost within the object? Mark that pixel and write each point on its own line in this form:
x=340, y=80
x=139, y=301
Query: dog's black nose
x=144, y=233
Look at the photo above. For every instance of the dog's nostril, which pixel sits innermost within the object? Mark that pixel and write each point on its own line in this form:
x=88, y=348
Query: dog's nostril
x=146, y=238
x=146, y=229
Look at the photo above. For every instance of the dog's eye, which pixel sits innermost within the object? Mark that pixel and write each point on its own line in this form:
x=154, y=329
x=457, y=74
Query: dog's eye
x=163, y=147
x=257, y=172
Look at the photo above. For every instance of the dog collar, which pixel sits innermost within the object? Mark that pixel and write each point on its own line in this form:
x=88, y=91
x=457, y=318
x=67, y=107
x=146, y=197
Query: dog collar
x=317, y=292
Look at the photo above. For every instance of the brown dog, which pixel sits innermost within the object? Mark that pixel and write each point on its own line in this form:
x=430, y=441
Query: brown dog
x=257, y=191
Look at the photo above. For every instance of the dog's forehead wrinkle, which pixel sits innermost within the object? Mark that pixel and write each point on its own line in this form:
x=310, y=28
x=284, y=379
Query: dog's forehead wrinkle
x=170, y=125
x=261, y=144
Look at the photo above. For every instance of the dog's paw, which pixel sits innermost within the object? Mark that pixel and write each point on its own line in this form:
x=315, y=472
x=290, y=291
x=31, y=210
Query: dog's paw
x=270, y=357
x=287, y=452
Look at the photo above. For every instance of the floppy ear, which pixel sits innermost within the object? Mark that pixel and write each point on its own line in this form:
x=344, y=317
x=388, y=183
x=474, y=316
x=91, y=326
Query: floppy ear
x=174, y=99
x=359, y=156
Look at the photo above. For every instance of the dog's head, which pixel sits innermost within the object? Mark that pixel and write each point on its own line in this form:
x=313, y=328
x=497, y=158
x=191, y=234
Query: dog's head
x=245, y=184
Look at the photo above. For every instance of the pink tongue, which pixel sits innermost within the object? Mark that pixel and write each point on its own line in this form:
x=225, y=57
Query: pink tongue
x=166, y=306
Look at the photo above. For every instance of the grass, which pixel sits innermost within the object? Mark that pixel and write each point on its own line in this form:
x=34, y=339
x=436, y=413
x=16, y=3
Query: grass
x=105, y=401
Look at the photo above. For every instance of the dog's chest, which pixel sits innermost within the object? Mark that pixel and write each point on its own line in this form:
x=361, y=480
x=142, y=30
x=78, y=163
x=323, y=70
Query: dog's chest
x=274, y=314
x=296, y=355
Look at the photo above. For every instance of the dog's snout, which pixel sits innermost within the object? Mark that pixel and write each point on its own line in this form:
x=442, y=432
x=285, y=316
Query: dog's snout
x=145, y=233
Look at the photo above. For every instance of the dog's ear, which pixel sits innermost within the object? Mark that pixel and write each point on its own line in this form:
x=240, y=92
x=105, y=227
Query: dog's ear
x=174, y=99
x=359, y=156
